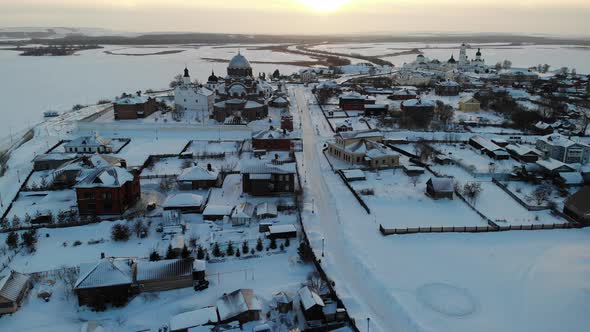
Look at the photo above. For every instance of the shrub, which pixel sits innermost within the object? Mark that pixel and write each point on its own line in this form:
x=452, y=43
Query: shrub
x=185, y=253
x=273, y=243
x=155, y=256
x=12, y=240
x=200, y=252
x=259, y=245
x=230, y=249
x=170, y=253
x=77, y=243
x=120, y=232
x=287, y=242
x=216, y=250
x=367, y=192
x=245, y=248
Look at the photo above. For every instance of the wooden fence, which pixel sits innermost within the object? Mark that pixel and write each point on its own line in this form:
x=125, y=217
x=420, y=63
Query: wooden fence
x=475, y=229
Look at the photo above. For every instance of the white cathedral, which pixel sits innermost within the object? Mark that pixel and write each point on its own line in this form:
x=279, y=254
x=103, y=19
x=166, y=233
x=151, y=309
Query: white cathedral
x=194, y=101
x=464, y=64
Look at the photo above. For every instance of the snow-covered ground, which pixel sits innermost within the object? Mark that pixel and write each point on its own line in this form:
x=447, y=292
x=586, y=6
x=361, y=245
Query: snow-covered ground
x=397, y=203
x=473, y=159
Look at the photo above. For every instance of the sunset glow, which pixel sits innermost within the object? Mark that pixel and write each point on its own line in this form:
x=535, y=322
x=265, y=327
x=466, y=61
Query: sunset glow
x=324, y=6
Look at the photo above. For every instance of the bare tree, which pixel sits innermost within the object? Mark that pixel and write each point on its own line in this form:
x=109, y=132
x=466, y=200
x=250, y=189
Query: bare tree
x=472, y=190
x=316, y=283
x=541, y=194
x=69, y=276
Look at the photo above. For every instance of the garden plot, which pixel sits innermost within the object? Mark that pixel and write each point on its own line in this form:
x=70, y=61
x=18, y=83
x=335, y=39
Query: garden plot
x=526, y=192
x=497, y=205
x=140, y=149
x=171, y=166
x=474, y=160
x=205, y=148
x=357, y=123
x=397, y=203
x=42, y=203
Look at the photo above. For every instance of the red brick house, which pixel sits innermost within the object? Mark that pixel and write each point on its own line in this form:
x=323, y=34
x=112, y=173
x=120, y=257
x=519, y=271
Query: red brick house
x=108, y=191
x=272, y=140
x=403, y=94
x=355, y=102
x=134, y=107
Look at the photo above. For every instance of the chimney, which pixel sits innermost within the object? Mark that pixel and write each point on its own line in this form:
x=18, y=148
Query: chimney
x=276, y=156
x=209, y=168
x=102, y=255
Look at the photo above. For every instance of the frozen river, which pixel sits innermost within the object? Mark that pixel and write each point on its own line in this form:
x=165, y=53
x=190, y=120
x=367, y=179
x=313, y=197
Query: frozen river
x=31, y=85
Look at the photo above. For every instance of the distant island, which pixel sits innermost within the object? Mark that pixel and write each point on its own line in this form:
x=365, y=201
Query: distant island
x=53, y=50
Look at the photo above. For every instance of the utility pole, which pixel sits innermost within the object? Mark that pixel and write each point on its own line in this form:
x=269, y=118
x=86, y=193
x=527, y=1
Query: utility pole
x=368, y=323
x=323, y=246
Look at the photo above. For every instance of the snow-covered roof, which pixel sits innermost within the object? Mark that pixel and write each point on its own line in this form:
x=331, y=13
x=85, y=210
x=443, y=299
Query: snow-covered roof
x=448, y=84
x=354, y=174
x=104, y=273
x=572, y=178
x=272, y=134
x=132, y=100
x=12, y=285
x=522, y=150
x=279, y=229
x=217, y=210
x=237, y=88
x=309, y=298
x=442, y=184
x=264, y=167
x=54, y=156
x=243, y=210
x=551, y=164
x=558, y=140
x=487, y=144
x=237, y=302
x=183, y=200
x=164, y=269
x=404, y=92
x=199, y=173
x=88, y=141
x=418, y=103
x=580, y=201
x=106, y=177
x=266, y=208
x=360, y=134
x=283, y=297
x=185, y=320
x=280, y=101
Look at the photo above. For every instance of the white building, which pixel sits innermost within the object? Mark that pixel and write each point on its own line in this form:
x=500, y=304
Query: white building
x=195, y=101
x=89, y=144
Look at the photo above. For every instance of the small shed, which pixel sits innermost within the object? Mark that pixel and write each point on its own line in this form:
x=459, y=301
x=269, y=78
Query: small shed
x=282, y=231
x=164, y=275
x=217, y=212
x=266, y=210
x=186, y=320
x=242, y=214
x=284, y=302
x=13, y=289
x=241, y=305
x=412, y=170
x=439, y=188
x=354, y=175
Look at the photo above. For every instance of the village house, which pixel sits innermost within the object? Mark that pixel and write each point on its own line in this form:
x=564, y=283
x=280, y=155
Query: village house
x=563, y=149
x=376, y=109
x=447, y=88
x=163, y=275
x=355, y=102
x=440, y=188
x=53, y=160
x=192, y=99
x=363, y=148
x=272, y=140
x=134, y=107
x=287, y=231
x=107, y=191
x=521, y=76
x=14, y=287
x=523, y=153
x=552, y=167
x=266, y=210
x=284, y=301
x=107, y=281
x=469, y=104
x=403, y=94
x=280, y=102
x=199, y=177
x=577, y=206
x=242, y=214
x=286, y=121
x=311, y=303
x=262, y=178
x=418, y=105
x=217, y=212
x=89, y=144
x=241, y=305
x=489, y=148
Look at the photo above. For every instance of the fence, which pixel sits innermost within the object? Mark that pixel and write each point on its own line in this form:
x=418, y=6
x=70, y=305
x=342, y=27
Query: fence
x=356, y=195
x=474, y=229
x=323, y=113
x=518, y=199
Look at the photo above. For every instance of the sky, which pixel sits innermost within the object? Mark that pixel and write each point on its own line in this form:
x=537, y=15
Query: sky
x=564, y=17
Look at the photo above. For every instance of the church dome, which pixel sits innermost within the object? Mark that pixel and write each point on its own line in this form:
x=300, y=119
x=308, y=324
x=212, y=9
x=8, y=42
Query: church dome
x=213, y=78
x=478, y=52
x=452, y=59
x=239, y=62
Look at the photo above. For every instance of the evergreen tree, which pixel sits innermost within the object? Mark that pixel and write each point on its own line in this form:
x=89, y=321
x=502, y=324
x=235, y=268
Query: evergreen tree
x=154, y=256
x=230, y=249
x=259, y=245
x=287, y=242
x=245, y=248
x=170, y=253
x=200, y=252
x=29, y=239
x=273, y=243
x=15, y=221
x=216, y=250
x=238, y=253
x=12, y=240
x=185, y=253
x=305, y=252
x=282, y=247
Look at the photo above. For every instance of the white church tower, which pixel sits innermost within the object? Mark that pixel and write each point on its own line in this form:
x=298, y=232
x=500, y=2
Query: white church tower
x=463, y=59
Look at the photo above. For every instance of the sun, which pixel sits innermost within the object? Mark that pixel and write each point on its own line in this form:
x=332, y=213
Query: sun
x=324, y=6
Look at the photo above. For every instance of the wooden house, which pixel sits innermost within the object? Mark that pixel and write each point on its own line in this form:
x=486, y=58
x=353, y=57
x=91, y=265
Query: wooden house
x=186, y=321
x=164, y=275
x=14, y=287
x=312, y=304
x=260, y=178
x=185, y=203
x=577, y=206
x=241, y=305
x=199, y=177
x=108, y=281
x=440, y=188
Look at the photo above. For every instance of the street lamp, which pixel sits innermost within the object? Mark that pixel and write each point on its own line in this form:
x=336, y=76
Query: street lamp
x=312, y=205
x=368, y=323
x=323, y=245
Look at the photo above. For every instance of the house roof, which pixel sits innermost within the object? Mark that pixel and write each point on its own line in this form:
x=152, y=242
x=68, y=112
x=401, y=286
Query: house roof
x=309, y=298
x=442, y=184
x=106, y=177
x=183, y=200
x=243, y=210
x=12, y=285
x=571, y=178
x=88, y=141
x=266, y=208
x=418, y=103
x=132, y=100
x=54, y=156
x=580, y=201
x=271, y=134
x=218, y=210
x=104, y=273
x=264, y=167
x=164, y=269
x=360, y=134
x=553, y=165
x=237, y=302
x=280, y=229
x=558, y=140
x=203, y=316
x=200, y=172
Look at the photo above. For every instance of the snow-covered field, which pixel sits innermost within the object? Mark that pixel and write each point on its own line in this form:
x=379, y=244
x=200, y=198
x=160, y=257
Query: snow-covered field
x=397, y=203
x=474, y=160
